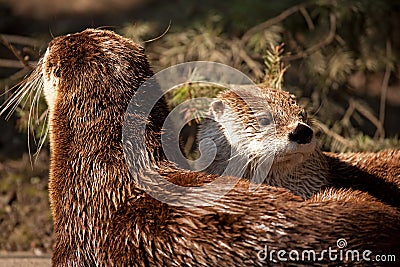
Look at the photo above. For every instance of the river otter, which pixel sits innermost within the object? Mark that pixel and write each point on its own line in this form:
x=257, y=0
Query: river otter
x=102, y=216
x=251, y=128
x=238, y=128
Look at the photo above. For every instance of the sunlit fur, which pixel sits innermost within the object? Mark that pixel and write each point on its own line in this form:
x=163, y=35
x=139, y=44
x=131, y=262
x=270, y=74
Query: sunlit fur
x=261, y=152
x=101, y=215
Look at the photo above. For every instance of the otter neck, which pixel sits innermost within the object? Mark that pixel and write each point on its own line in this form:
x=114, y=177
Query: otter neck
x=305, y=178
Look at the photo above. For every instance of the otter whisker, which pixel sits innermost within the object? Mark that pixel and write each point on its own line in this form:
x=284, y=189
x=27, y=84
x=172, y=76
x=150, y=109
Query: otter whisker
x=241, y=156
x=252, y=165
x=29, y=91
x=43, y=133
x=27, y=88
x=247, y=164
x=34, y=111
x=43, y=117
x=13, y=102
x=235, y=155
x=244, y=166
x=263, y=159
x=35, y=103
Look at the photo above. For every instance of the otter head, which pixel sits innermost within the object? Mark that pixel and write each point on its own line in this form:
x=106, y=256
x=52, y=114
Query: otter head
x=89, y=79
x=257, y=126
x=92, y=69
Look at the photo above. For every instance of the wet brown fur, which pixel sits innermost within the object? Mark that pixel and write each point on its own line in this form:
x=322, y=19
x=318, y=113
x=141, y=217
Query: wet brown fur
x=377, y=174
x=102, y=217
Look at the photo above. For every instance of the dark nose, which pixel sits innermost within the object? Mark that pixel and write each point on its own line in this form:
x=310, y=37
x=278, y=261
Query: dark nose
x=302, y=134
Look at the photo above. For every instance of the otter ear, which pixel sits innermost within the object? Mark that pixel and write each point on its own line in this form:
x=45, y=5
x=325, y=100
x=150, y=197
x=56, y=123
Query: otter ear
x=217, y=108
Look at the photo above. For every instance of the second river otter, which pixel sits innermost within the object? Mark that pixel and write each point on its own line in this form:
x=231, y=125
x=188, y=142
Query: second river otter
x=262, y=134
x=252, y=126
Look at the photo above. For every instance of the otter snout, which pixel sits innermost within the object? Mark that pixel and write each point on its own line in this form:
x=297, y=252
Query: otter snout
x=303, y=134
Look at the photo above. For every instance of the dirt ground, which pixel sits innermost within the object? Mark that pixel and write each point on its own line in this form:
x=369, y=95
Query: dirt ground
x=25, y=217
x=24, y=260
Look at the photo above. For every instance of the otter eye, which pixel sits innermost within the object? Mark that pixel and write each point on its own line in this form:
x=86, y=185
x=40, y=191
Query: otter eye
x=303, y=115
x=57, y=73
x=264, y=121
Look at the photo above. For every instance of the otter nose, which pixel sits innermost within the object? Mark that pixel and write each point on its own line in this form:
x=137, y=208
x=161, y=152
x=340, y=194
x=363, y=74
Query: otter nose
x=303, y=134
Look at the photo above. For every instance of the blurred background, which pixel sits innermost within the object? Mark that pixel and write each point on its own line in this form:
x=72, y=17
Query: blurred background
x=341, y=59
